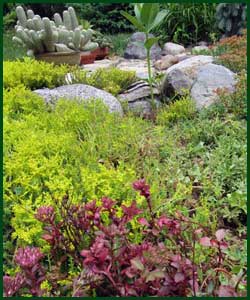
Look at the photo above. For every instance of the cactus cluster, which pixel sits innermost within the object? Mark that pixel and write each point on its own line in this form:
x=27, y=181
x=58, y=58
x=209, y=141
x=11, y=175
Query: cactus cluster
x=231, y=18
x=42, y=35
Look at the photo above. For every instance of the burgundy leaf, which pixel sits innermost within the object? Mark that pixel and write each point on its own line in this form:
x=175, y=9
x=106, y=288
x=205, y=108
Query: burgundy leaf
x=178, y=277
x=143, y=221
x=226, y=291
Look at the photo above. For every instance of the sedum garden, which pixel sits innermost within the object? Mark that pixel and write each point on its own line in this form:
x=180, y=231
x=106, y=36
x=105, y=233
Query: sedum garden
x=124, y=150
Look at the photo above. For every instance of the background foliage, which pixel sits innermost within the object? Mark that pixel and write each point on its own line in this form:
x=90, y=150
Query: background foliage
x=188, y=23
x=105, y=17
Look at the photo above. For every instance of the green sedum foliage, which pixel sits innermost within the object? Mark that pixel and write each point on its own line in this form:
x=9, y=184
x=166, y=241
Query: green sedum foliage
x=111, y=79
x=182, y=109
x=33, y=74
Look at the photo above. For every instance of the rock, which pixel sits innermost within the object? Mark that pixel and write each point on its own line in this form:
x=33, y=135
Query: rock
x=165, y=62
x=138, y=97
x=136, y=51
x=173, y=49
x=139, y=66
x=103, y=63
x=183, y=56
x=82, y=92
x=209, y=78
x=202, y=43
x=182, y=75
x=200, y=48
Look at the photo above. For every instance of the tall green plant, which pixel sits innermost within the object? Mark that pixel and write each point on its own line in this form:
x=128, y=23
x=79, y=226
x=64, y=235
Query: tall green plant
x=147, y=17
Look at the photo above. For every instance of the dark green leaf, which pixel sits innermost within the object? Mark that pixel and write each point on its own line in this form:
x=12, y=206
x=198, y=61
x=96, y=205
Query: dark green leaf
x=159, y=18
x=134, y=21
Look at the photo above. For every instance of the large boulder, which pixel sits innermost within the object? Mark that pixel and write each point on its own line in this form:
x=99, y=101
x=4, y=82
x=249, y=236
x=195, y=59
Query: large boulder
x=172, y=49
x=82, y=92
x=138, y=98
x=210, y=78
x=181, y=76
x=136, y=50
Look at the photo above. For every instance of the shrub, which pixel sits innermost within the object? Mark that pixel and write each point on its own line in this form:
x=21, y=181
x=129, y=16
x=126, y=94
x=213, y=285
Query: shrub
x=188, y=23
x=231, y=17
x=234, y=54
x=182, y=109
x=105, y=17
x=33, y=74
x=168, y=262
x=9, y=20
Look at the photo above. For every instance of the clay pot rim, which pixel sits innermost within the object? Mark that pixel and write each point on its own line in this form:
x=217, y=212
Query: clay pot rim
x=58, y=54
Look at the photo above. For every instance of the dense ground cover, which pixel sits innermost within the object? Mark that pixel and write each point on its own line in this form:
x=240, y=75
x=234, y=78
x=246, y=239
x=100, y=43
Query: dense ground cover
x=194, y=162
x=98, y=204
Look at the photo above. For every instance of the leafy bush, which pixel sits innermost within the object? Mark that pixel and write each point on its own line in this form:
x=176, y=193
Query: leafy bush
x=119, y=42
x=33, y=74
x=168, y=262
x=179, y=110
x=9, y=20
x=234, y=54
x=105, y=17
x=188, y=23
x=230, y=52
x=231, y=17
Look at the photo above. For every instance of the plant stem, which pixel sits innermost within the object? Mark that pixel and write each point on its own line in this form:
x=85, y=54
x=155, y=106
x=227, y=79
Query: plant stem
x=150, y=75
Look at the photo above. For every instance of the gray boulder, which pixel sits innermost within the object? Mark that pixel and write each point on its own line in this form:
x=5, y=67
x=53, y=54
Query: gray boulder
x=136, y=50
x=181, y=76
x=81, y=92
x=138, y=98
x=209, y=78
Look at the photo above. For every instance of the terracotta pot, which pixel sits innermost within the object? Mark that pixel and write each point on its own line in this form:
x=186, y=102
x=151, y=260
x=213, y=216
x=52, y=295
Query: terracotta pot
x=87, y=57
x=102, y=53
x=58, y=58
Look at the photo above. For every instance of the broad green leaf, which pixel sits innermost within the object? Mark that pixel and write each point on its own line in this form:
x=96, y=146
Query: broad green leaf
x=137, y=264
x=153, y=13
x=134, y=21
x=150, y=42
x=137, y=10
x=145, y=13
x=159, y=18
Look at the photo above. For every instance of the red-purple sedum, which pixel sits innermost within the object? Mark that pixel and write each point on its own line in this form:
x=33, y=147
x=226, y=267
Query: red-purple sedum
x=100, y=241
x=28, y=257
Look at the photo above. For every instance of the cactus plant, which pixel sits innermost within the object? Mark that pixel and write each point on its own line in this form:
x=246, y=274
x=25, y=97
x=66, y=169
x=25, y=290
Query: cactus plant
x=231, y=18
x=45, y=35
